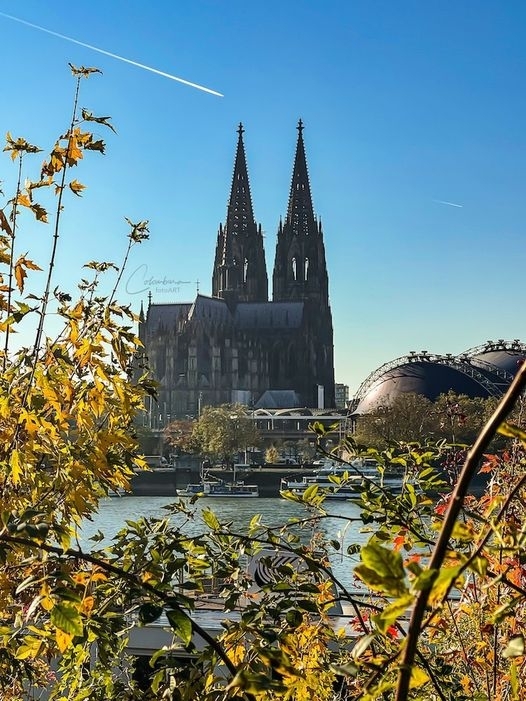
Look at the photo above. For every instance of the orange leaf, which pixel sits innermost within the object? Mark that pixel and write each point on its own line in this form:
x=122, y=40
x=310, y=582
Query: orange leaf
x=23, y=200
x=4, y=224
x=487, y=467
x=20, y=270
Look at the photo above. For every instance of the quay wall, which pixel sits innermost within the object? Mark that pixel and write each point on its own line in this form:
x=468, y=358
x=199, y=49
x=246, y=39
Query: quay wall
x=164, y=481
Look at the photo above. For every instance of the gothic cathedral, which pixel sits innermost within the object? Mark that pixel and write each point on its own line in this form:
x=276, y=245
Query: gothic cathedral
x=237, y=346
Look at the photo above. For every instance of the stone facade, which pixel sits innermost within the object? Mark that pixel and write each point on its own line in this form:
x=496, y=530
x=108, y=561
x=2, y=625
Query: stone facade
x=236, y=346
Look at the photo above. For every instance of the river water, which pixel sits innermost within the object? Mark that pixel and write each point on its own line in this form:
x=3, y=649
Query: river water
x=343, y=526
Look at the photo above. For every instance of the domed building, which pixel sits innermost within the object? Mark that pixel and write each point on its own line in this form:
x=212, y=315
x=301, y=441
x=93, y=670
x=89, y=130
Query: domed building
x=484, y=371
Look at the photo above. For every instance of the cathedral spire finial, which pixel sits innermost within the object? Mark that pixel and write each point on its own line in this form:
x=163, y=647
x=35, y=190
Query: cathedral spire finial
x=240, y=129
x=300, y=200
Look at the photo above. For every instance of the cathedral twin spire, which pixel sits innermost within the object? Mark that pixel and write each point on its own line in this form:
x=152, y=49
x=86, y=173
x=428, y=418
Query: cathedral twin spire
x=240, y=271
x=300, y=270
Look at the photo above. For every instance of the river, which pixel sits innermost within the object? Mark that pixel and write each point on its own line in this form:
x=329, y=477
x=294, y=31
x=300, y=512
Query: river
x=114, y=512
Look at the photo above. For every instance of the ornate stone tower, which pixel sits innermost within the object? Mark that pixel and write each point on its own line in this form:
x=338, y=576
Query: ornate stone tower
x=300, y=271
x=300, y=274
x=240, y=272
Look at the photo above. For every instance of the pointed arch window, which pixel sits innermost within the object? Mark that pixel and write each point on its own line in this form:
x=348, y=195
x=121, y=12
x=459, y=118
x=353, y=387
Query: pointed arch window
x=245, y=270
x=306, y=269
x=294, y=270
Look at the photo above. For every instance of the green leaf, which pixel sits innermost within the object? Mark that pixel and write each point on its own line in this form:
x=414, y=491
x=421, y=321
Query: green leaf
x=310, y=492
x=362, y=644
x=424, y=579
x=254, y=683
x=294, y=618
x=210, y=519
x=67, y=619
x=505, y=609
x=148, y=613
x=515, y=647
x=382, y=570
x=479, y=565
x=443, y=583
x=349, y=669
x=255, y=523
x=181, y=625
x=410, y=490
x=64, y=594
x=514, y=680
x=511, y=431
x=307, y=605
x=463, y=532
x=392, y=613
x=418, y=678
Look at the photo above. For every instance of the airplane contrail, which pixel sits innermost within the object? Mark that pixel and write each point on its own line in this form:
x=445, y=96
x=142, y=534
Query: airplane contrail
x=451, y=204
x=108, y=53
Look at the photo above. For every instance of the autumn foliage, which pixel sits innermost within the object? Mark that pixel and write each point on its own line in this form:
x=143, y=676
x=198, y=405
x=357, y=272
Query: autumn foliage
x=438, y=605
x=67, y=406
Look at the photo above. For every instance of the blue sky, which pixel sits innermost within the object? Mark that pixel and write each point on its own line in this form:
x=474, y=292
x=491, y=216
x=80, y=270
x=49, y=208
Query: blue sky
x=407, y=105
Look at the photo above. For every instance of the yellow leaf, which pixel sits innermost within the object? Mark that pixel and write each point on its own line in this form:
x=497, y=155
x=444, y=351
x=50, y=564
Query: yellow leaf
x=23, y=200
x=74, y=154
x=418, y=678
x=23, y=652
x=47, y=603
x=31, y=647
x=56, y=163
x=87, y=605
x=99, y=577
x=76, y=187
x=16, y=468
x=63, y=639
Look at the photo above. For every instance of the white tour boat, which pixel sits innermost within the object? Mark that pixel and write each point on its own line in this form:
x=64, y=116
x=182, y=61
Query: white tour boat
x=347, y=487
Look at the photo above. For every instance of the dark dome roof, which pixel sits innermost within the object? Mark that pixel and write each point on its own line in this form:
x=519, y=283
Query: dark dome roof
x=503, y=355
x=483, y=371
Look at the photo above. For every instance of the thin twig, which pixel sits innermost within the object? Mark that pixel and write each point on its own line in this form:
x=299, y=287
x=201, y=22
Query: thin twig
x=11, y=260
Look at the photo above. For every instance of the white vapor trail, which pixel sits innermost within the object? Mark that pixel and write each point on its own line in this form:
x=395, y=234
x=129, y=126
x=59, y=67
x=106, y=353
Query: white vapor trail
x=451, y=204
x=108, y=53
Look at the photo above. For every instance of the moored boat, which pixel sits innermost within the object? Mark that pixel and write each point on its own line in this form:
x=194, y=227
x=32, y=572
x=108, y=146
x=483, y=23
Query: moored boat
x=218, y=488
x=344, y=489
x=215, y=487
